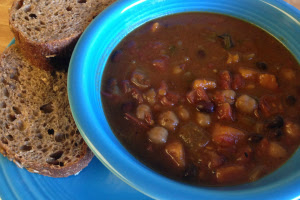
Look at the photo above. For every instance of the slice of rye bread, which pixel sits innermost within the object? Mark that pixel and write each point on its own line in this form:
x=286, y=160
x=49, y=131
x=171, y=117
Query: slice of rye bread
x=37, y=130
x=47, y=30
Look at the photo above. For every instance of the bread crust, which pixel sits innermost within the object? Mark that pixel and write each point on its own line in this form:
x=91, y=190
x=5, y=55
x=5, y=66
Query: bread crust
x=51, y=53
x=41, y=138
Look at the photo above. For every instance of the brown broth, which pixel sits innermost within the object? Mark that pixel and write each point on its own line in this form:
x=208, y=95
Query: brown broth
x=180, y=49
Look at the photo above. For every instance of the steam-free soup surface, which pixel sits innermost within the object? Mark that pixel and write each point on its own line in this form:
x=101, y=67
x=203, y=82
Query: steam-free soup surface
x=204, y=98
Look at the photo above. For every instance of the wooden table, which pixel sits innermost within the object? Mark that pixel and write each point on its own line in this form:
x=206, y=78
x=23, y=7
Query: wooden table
x=6, y=36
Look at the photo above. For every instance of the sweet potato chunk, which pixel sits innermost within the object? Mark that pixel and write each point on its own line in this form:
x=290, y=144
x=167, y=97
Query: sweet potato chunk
x=226, y=136
x=204, y=83
x=268, y=81
x=247, y=72
x=176, y=152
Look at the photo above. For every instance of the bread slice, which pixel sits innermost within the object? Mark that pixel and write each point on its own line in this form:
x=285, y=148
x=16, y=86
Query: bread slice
x=37, y=130
x=47, y=30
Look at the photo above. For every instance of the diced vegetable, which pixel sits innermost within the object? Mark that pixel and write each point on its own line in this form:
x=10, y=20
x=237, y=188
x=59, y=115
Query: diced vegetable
x=232, y=58
x=237, y=82
x=150, y=96
x=292, y=130
x=143, y=112
x=276, y=150
x=227, y=40
x=224, y=96
x=139, y=79
x=163, y=88
x=176, y=152
x=270, y=105
x=230, y=174
x=256, y=173
x=268, y=81
x=247, y=73
x=225, y=80
x=197, y=95
x=168, y=120
x=158, y=135
x=226, y=136
x=246, y=104
x=216, y=160
x=203, y=120
x=178, y=69
x=193, y=135
x=155, y=27
x=137, y=95
x=224, y=112
x=204, y=83
x=288, y=74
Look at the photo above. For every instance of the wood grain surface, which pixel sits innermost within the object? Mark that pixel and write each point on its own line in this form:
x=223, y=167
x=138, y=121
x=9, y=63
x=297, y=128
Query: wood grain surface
x=6, y=36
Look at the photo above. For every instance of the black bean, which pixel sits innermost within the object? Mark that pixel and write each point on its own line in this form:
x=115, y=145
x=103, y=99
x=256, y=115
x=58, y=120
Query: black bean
x=255, y=138
x=204, y=106
x=291, y=100
x=115, y=56
x=273, y=134
x=275, y=122
x=261, y=66
x=201, y=53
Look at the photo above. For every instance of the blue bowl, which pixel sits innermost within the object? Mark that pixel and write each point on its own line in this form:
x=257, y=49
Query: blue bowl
x=84, y=83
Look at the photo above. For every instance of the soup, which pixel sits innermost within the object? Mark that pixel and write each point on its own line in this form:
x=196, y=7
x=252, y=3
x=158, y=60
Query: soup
x=204, y=98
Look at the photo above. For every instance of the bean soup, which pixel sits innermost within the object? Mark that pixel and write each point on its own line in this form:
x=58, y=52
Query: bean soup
x=204, y=98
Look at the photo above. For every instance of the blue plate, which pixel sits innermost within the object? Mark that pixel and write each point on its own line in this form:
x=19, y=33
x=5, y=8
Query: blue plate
x=93, y=182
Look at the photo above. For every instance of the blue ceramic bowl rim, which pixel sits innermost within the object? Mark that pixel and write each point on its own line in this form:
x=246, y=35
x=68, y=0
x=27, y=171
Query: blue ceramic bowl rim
x=84, y=82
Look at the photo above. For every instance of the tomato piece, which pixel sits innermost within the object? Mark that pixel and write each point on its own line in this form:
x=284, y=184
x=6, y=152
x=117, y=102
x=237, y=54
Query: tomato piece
x=270, y=105
x=197, y=95
x=225, y=80
x=224, y=112
x=237, y=82
x=224, y=96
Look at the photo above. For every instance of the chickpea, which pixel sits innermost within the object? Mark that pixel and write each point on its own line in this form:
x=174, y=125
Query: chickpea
x=158, y=135
x=246, y=104
x=142, y=110
x=203, y=119
x=168, y=120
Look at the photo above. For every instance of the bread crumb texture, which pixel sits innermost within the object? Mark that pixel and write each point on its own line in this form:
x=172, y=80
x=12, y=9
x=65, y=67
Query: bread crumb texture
x=37, y=128
x=48, y=20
